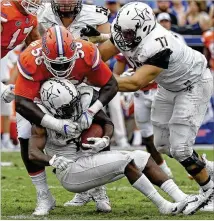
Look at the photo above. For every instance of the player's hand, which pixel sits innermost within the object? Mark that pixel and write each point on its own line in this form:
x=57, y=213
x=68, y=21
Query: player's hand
x=89, y=31
x=8, y=93
x=98, y=144
x=67, y=127
x=128, y=73
x=85, y=120
x=60, y=163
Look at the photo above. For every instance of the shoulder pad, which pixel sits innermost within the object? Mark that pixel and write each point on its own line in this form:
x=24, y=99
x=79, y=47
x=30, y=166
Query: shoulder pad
x=26, y=62
x=154, y=43
x=92, y=55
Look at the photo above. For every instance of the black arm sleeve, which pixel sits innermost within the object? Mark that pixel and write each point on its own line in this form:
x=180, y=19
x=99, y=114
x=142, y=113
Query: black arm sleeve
x=108, y=91
x=29, y=110
x=161, y=59
x=105, y=122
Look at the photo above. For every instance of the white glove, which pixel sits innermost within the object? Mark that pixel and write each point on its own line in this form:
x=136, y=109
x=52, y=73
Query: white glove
x=7, y=93
x=128, y=73
x=60, y=163
x=98, y=145
x=64, y=127
x=85, y=120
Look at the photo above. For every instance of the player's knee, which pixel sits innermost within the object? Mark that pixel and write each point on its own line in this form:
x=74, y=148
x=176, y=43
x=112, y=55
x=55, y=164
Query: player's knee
x=193, y=164
x=140, y=158
x=145, y=128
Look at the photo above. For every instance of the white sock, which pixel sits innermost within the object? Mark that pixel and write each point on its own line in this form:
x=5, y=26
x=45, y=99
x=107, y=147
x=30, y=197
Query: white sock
x=145, y=186
x=40, y=183
x=209, y=185
x=173, y=190
x=5, y=137
x=163, y=165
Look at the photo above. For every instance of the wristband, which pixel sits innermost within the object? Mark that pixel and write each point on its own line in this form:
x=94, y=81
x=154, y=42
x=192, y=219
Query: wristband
x=51, y=161
x=105, y=37
x=97, y=106
x=50, y=122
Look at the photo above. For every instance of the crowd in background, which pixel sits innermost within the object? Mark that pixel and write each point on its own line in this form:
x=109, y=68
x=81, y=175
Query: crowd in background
x=193, y=20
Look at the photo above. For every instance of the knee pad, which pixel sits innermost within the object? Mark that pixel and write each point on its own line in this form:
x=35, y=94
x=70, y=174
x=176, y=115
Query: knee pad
x=145, y=128
x=140, y=158
x=193, y=164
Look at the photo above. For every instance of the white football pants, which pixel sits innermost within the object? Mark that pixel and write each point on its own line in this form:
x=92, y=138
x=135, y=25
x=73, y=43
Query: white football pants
x=177, y=116
x=99, y=169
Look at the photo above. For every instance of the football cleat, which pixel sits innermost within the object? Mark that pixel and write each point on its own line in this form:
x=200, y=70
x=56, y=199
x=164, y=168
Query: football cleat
x=173, y=208
x=80, y=199
x=101, y=199
x=198, y=201
x=45, y=203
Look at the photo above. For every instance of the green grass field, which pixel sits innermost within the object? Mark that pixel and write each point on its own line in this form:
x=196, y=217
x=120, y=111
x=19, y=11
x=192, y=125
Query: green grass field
x=18, y=196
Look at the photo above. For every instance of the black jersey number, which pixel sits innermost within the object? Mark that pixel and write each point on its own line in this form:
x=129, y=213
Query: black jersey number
x=162, y=41
x=102, y=10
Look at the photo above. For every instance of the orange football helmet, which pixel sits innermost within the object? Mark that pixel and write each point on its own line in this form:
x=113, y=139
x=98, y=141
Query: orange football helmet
x=59, y=50
x=31, y=6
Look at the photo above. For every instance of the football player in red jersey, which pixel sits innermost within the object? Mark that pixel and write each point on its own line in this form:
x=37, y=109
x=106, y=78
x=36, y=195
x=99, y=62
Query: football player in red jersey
x=18, y=24
x=58, y=54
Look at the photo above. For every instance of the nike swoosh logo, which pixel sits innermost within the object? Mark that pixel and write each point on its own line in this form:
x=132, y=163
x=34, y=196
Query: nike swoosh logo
x=175, y=210
x=65, y=129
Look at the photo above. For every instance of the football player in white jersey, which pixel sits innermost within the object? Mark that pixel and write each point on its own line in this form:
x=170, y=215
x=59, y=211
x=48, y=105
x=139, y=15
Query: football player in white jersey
x=81, y=167
x=185, y=84
x=76, y=16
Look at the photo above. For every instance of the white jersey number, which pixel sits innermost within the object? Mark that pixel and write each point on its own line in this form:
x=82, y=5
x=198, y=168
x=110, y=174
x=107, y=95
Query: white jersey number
x=16, y=34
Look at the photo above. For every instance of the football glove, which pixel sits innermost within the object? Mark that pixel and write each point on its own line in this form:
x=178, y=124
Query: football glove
x=62, y=126
x=60, y=163
x=85, y=120
x=128, y=73
x=98, y=144
x=93, y=35
x=7, y=92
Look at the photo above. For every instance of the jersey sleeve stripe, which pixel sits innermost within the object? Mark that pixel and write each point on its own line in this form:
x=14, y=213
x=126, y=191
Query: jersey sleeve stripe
x=96, y=60
x=23, y=71
x=3, y=17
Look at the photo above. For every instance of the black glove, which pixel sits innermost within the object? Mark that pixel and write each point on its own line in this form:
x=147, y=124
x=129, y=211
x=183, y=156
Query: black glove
x=89, y=31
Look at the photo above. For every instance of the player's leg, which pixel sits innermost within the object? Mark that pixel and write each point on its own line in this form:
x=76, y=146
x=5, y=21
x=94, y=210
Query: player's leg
x=6, y=112
x=45, y=201
x=143, y=101
x=83, y=175
x=117, y=118
x=189, y=111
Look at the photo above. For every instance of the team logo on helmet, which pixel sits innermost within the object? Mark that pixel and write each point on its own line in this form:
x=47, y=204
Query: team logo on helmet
x=141, y=16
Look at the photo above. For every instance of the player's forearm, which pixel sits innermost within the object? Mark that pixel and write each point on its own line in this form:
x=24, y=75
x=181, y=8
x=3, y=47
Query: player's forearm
x=107, y=92
x=29, y=110
x=128, y=84
x=36, y=155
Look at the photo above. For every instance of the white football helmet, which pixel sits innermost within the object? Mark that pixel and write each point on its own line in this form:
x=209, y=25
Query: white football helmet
x=134, y=22
x=32, y=6
x=61, y=99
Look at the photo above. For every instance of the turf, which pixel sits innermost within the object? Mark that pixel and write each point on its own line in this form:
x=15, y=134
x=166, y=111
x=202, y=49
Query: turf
x=18, y=196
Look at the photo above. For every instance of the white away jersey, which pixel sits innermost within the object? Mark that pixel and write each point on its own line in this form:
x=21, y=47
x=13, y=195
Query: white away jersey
x=90, y=14
x=184, y=66
x=62, y=145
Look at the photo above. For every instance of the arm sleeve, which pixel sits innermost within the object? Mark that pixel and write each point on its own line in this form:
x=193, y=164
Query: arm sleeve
x=161, y=59
x=26, y=88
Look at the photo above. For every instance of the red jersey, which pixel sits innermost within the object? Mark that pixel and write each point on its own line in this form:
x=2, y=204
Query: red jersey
x=208, y=40
x=88, y=68
x=15, y=26
x=120, y=57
